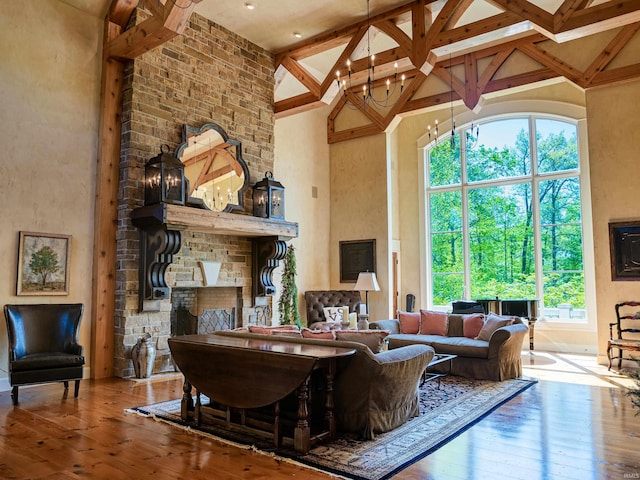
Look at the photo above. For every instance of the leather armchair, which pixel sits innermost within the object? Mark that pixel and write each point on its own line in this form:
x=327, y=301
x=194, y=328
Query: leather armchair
x=43, y=345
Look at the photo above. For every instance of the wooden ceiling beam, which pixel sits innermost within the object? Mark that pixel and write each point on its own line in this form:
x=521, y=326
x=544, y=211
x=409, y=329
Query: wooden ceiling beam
x=565, y=11
x=154, y=31
x=303, y=76
x=120, y=12
x=598, y=19
x=401, y=38
x=300, y=103
x=335, y=38
x=341, y=62
x=616, y=75
x=428, y=45
x=475, y=29
x=471, y=95
x=544, y=57
x=496, y=62
x=610, y=51
x=528, y=11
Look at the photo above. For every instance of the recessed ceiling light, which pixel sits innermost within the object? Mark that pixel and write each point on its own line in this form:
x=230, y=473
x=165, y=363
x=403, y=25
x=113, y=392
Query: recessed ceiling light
x=297, y=34
x=249, y=5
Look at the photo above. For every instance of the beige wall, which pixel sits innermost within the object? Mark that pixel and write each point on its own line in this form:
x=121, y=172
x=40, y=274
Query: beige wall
x=614, y=136
x=302, y=166
x=49, y=92
x=360, y=211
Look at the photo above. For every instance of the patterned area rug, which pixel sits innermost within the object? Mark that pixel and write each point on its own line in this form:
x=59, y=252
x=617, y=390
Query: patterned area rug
x=447, y=408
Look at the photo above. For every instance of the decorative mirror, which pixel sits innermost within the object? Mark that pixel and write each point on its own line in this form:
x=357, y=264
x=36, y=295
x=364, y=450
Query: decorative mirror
x=213, y=165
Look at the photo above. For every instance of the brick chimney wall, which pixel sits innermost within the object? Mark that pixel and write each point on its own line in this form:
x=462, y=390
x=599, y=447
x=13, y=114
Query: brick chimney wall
x=208, y=74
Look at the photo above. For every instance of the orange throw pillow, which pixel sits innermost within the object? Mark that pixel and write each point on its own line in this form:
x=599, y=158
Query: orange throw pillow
x=409, y=322
x=472, y=324
x=433, y=323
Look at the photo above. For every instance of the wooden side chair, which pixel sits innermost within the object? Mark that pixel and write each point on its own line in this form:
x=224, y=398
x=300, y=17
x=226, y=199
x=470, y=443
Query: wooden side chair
x=626, y=335
x=43, y=345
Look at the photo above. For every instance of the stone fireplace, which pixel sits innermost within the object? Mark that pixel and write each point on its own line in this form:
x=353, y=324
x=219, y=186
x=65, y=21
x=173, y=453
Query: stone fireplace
x=208, y=74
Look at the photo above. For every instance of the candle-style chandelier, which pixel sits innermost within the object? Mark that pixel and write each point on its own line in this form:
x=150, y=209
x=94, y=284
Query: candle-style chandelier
x=435, y=135
x=368, y=95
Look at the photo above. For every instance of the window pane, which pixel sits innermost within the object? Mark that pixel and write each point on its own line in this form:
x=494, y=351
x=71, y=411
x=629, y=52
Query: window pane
x=564, y=292
x=444, y=163
x=557, y=146
x=501, y=242
x=447, y=287
x=501, y=150
x=446, y=246
x=561, y=235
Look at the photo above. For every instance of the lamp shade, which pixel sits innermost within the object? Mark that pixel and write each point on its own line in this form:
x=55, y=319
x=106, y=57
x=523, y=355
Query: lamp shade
x=367, y=282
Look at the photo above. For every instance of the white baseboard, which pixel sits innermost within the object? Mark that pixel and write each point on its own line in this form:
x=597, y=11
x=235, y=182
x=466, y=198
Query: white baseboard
x=4, y=384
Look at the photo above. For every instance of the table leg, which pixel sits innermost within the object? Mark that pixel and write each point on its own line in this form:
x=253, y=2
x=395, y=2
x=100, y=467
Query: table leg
x=186, y=405
x=302, y=432
x=329, y=418
x=532, y=323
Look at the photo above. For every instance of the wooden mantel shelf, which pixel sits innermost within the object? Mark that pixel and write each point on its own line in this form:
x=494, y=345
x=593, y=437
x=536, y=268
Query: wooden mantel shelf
x=177, y=217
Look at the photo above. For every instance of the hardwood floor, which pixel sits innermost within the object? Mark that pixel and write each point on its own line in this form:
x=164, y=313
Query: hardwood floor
x=576, y=423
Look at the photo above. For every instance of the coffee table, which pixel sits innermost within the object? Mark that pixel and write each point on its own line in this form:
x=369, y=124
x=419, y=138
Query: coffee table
x=437, y=359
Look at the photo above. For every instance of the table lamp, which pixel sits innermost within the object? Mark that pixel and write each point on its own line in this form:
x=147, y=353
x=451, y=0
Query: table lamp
x=367, y=282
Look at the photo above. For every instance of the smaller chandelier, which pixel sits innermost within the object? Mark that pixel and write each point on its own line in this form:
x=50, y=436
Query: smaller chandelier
x=368, y=96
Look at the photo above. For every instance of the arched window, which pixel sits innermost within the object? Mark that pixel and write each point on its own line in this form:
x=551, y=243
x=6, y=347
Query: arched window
x=504, y=215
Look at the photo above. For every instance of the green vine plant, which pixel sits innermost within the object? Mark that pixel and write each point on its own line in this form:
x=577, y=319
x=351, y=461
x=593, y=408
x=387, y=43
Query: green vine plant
x=288, y=302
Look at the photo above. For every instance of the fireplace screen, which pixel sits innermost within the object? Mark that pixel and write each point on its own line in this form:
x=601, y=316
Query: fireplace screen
x=210, y=320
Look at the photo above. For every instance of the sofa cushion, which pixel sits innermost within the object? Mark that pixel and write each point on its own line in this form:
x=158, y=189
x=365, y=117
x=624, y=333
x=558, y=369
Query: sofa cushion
x=472, y=324
x=461, y=346
x=409, y=322
x=374, y=339
x=492, y=323
x=319, y=334
x=433, y=323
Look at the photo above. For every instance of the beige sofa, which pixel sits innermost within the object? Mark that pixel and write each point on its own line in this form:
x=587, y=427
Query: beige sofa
x=496, y=359
x=373, y=393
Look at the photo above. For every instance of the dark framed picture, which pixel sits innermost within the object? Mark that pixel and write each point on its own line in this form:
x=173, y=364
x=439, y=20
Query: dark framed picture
x=43, y=264
x=624, y=242
x=356, y=256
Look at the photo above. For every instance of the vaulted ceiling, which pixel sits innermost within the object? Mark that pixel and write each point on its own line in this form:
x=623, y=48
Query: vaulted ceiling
x=446, y=49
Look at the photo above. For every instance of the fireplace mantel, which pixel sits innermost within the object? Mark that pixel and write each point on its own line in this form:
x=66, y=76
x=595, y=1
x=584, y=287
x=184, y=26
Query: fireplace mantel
x=176, y=217
x=161, y=227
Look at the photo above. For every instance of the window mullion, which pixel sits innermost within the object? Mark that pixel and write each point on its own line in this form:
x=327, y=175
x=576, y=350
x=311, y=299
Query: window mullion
x=535, y=207
x=465, y=220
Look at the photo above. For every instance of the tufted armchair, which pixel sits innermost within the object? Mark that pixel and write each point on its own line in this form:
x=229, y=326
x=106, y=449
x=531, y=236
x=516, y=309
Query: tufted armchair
x=43, y=345
x=316, y=300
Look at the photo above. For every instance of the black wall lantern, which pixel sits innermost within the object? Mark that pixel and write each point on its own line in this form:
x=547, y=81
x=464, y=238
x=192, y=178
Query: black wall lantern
x=164, y=179
x=268, y=198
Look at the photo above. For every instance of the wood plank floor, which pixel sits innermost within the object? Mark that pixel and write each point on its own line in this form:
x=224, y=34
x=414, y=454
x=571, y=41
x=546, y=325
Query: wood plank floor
x=576, y=423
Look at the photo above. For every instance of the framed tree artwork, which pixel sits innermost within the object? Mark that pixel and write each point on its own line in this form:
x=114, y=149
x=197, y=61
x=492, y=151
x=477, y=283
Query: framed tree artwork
x=356, y=256
x=43, y=264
